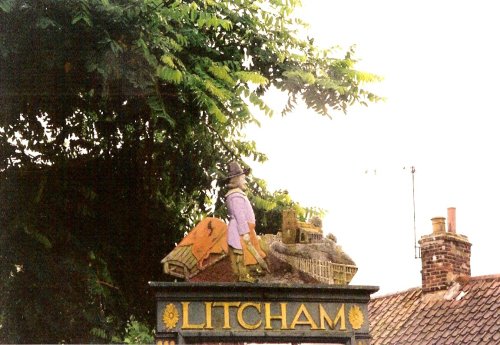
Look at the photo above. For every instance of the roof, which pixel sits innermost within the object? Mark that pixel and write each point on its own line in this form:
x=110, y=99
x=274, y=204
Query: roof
x=466, y=313
x=309, y=227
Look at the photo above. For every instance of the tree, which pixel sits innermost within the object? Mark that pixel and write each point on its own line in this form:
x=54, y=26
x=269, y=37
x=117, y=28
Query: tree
x=116, y=118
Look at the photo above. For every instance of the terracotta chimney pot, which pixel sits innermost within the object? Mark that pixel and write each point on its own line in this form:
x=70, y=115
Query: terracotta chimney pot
x=438, y=226
x=452, y=223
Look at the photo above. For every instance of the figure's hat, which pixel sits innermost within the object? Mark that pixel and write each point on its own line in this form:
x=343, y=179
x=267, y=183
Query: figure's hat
x=234, y=170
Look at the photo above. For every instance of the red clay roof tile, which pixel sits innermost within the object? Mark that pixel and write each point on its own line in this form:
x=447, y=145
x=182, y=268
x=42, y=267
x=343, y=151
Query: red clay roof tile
x=405, y=318
x=488, y=337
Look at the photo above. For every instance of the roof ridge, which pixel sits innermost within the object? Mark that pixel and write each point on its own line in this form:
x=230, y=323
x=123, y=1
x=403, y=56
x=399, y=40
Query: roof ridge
x=486, y=277
x=476, y=278
x=393, y=294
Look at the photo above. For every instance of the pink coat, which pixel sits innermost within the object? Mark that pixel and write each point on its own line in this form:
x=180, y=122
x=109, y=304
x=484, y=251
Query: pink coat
x=240, y=214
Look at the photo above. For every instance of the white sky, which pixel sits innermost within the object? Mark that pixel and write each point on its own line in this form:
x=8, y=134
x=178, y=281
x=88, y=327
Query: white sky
x=441, y=65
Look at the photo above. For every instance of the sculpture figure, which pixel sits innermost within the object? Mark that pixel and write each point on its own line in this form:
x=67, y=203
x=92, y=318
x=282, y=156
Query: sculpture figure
x=244, y=249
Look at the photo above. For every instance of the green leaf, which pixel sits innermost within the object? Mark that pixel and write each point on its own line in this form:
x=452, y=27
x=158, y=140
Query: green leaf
x=253, y=77
x=214, y=110
x=158, y=110
x=168, y=60
x=40, y=238
x=82, y=17
x=98, y=332
x=44, y=23
x=7, y=5
x=267, y=205
x=305, y=77
x=367, y=77
x=169, y=74
x=221, y=94
x=222, y=73
x=138, y=333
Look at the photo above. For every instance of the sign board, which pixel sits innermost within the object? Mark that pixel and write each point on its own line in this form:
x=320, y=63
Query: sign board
x=228, y=312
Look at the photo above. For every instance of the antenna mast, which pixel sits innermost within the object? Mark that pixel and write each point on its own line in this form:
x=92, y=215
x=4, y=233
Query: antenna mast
x=417, y=248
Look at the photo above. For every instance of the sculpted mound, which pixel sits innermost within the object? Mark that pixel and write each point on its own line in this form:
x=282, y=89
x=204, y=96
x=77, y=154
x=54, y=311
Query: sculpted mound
x=327, y=251
x=298, y=254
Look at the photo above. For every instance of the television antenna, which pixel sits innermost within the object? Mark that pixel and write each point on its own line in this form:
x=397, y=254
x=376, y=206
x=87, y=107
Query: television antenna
x=416, y=247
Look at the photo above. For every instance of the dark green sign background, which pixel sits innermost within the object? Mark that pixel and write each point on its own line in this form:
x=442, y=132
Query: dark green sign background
x=228, y=312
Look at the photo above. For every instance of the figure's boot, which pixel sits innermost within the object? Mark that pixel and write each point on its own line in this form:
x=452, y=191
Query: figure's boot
x=256, y=271
x=234, y=263
x=243, y=275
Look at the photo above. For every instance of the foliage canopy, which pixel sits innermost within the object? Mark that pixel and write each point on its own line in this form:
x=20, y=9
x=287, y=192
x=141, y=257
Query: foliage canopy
x=116, y=118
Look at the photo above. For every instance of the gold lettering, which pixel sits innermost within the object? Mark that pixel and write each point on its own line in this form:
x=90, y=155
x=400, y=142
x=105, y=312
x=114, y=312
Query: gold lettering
x=185, y=318
x=323, y=316
x=270, y=317
x=242, y=322
x=226, y=306
x=208, y=315
x=309, y=320
x=340, y=316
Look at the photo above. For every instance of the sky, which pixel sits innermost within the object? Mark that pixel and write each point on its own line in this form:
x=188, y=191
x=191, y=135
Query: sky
x=440, y=64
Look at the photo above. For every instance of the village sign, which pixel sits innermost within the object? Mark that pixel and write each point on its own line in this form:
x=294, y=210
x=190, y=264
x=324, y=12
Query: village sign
x=221, y=312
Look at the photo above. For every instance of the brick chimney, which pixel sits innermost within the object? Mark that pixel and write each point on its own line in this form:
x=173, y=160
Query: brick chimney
x=445, y=255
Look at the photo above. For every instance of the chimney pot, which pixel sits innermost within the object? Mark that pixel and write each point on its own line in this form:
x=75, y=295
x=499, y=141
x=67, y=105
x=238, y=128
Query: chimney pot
x=438, y=225
x=452, y=223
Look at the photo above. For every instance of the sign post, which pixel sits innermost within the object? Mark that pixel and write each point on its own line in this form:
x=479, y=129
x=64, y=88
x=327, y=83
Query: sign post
x=239, y=312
